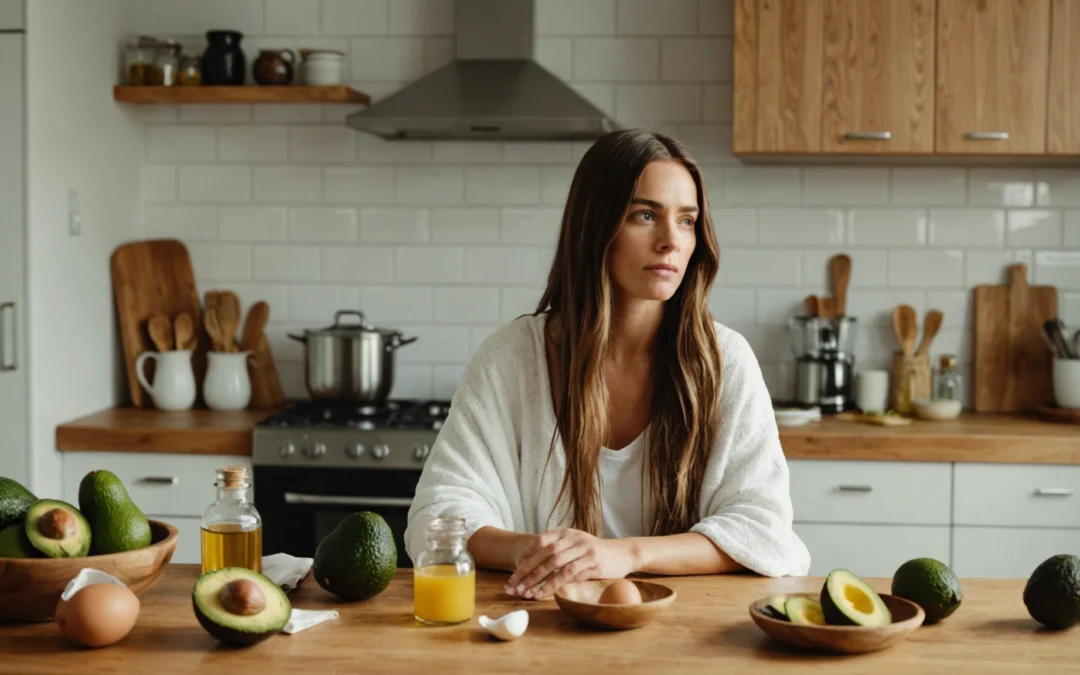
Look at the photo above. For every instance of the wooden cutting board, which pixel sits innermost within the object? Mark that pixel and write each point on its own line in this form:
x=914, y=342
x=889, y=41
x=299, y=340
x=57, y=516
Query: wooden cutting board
x=149, y=277
x=1012, y=371
x=265, y=386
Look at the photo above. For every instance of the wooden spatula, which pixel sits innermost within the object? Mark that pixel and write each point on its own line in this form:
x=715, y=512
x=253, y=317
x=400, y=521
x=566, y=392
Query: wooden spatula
x=212, y=324
x=184, y=330
x=161, y=332
x=840, y=272
x=810, y=303
x=229, y=317
x=931, y=326
x=265, y=386
x=907, y=328
x=827, y=308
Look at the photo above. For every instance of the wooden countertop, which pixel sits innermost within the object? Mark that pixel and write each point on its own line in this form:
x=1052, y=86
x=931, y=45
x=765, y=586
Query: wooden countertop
x=706, y=630
x=974, y=437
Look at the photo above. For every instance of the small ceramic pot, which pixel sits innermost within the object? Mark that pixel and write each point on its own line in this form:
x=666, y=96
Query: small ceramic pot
x=274, y=67
x=227, y=385
x=1066, y=376
x=323, y=67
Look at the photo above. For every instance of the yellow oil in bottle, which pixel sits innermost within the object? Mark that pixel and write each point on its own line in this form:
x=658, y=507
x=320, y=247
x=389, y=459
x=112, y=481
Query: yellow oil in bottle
x=228, y=545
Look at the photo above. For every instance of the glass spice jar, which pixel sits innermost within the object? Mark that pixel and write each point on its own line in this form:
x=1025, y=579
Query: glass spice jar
x=139, y=55
x=190, y=73
x=444, y=576
x=948, y=381
x=166, y=63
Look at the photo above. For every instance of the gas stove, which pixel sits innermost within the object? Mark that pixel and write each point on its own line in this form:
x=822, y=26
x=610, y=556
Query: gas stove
x=394, y=435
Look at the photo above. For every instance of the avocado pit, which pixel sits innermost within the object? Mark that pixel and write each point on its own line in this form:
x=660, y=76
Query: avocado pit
x=242, y=597
x=57, y=524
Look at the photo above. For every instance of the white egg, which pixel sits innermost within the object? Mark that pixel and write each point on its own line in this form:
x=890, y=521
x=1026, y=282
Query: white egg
x=507, y=627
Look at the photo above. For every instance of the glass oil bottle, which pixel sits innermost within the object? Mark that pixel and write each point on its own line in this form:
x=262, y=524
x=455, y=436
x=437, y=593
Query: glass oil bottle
x=231, y=527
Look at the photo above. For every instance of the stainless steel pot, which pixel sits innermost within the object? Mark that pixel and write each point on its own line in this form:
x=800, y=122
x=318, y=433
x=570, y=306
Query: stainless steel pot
x=350, y=362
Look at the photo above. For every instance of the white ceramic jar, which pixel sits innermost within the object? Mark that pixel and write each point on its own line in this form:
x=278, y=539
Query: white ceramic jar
x=324, y=67
x=227, y=385
x=174, y=379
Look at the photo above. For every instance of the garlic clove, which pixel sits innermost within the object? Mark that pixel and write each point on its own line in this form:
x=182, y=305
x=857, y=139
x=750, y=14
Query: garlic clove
x=507, y=627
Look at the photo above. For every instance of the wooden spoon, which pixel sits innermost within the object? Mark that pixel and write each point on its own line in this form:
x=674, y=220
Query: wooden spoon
x=184, y=329
x=931, y=326
x=228, y=310
x=255, y=325
x=907, y=329
x=212, y=324
x=161, y=332
x=811, y=305
x=840, y=271
x=827, y=308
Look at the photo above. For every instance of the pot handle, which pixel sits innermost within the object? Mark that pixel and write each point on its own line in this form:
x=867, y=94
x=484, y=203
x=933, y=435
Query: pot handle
x=298, y=338
x=397, y=341
x=350, y=312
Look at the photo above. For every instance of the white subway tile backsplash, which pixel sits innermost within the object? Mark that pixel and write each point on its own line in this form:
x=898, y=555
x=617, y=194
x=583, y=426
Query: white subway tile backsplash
x=195, y=17
x=600, y=94
x=467, y=305
x=1058, y=268
x=252, y=143
x=716, y=17
x=430, y=265
x=284, y=113
x=875, y=307
x=573, y=17
x=502, y=185
x=706, y=142
x=422, y=17
x=557, y=55
x=929, y=186
x=648, y=17
x=430, y=185
x=215, y=113
x=972, y=228
x=387, y=59
x=276, y=296
x=760, y=185
x=371, y=148
x=287, y=263
x=734, y=226
x=1013, y=186
x=820, y=227
x=1057, y=187
x=447, y=379
x=991, y=267
x=288, y=184
x=355, y=17
x=539, y=152
x=555, y=184
x=718, y=103
x=227, y=262
x=649, y=104
x=395, y=226
x=252, y=223
x=324, y=144
x=187, y=223
x=501, y=265
x=531, y=226
x=386, y=305
x=733, y=305
x=760, y=267
x=828, y=186
x=322, y=224
x=171, y=143
x=435, y=344
x=886, y=227
x=467, y=152
x=868, y=268
x=926, y=269
x=412, y=381
x=776, y=306
x=292, y=17
x=1072, y=229
x=319, y=302
x=518, y=301
x=464, y=226
x=1034, y=228
x=955, y=306
x=208, y=183
x=358, y=185
x=616, y=60
x=695, y=59
x=358, y=264
x=1069, y=308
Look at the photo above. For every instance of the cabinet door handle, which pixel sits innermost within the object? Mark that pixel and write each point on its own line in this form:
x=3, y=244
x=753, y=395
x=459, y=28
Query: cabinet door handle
x=5, y=365
x=868, y=135
x=855, y=488
x=1053, y=492
x=987, y=136
x=346, y=500
x=160, y=480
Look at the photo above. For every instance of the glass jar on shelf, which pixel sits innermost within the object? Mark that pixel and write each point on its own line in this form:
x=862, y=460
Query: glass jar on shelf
x=166, y=63
x=444, y=576
x=190, y=73
x=139, y=55
x=232, y=527
x=948, y=382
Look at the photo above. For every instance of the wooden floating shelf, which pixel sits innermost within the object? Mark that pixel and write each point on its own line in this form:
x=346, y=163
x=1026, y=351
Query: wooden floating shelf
x=242, y=94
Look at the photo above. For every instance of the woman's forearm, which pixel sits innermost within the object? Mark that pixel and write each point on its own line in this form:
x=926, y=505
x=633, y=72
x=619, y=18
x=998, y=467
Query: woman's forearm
x=497, y=549
x=679, y=554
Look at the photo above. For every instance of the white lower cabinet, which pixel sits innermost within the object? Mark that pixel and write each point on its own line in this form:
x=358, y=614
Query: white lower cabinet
x=870, y=550
x=189, y=545
x=1008, y=552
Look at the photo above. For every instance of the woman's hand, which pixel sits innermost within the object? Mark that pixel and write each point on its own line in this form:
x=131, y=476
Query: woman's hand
x=558, y=557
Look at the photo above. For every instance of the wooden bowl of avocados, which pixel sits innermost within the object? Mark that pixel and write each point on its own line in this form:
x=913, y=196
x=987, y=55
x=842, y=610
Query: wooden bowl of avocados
x=31, y=587
x=797, y=619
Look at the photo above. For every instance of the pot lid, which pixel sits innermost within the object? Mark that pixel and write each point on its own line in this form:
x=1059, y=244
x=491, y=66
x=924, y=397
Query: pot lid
x=352, y=328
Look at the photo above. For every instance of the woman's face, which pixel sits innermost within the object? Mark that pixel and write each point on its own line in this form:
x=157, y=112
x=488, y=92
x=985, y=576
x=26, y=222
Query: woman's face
x=653, y=246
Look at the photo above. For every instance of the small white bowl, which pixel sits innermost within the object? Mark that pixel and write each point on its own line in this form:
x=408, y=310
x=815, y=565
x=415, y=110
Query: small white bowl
x=937, y=410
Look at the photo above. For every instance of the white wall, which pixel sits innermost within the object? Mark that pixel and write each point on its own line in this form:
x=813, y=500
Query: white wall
x=447, y=240
x=79, y=138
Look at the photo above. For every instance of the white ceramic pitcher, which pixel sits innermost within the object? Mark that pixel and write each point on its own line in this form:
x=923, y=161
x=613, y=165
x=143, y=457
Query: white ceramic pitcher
x=227, y=385
x=174, y=379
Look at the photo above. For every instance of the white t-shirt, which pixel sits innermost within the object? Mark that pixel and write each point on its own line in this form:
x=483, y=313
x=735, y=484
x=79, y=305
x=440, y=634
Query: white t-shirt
x=626, y=507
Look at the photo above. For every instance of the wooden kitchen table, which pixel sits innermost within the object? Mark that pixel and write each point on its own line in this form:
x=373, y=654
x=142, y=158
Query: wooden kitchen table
x=707, y=630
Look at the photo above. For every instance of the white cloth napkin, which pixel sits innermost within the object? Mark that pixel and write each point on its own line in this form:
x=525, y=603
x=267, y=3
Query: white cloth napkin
x=288, y=572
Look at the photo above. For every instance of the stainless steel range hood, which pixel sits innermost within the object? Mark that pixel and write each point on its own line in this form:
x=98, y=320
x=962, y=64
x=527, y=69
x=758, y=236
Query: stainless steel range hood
x=492, y=90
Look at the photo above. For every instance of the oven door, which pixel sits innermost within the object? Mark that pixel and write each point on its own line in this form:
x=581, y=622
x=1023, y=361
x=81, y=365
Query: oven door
x=300, y=506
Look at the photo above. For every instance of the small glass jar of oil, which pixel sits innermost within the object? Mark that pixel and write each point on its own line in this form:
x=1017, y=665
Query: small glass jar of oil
x=231, y=526
x=444, y=576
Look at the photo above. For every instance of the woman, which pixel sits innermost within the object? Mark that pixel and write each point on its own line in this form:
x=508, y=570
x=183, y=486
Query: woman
x=619, y=429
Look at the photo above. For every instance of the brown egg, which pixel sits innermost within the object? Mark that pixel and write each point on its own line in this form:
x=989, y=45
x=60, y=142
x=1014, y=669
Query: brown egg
x=621, y=592
x=98, y=615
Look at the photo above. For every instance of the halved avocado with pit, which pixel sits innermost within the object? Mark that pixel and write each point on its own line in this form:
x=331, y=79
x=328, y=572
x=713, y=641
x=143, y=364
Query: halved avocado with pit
x=57, y=529
x=239, y=606
x=804, y=612
x=847, y=600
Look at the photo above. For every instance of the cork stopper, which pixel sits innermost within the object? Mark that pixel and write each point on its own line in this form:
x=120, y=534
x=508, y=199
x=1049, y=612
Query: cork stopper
x=233, y=476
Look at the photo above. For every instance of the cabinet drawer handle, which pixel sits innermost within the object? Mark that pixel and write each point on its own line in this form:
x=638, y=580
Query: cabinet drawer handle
x=987, y=135
x=1053, y=492
x=868, y=135
x=855, y=488
x=347, y=500
x=160, y=480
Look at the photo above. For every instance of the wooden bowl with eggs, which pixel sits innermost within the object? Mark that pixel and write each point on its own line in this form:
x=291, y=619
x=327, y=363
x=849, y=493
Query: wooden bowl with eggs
x=618, y=604
x=31, y=587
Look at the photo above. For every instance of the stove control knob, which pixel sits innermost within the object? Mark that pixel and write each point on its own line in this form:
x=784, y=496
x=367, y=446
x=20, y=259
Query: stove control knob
x=421, y=451
x=315, y=449
x=380, y=451
x=287, y=449
x=354, y=450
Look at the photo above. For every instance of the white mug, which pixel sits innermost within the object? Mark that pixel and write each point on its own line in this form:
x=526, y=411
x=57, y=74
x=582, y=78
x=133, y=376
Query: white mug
x=227, y=385
x=1067, y=383
x=174, y=379
x=872, y=390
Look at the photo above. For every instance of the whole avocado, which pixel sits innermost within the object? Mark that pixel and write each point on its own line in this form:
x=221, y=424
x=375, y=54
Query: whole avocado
x=15, y=501
x=357, y=560
x=117, y=524
x=930, y=584
x=1052, y=594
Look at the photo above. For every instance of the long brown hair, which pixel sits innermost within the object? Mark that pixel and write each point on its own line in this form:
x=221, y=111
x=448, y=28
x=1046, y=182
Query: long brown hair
x=579, y=301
